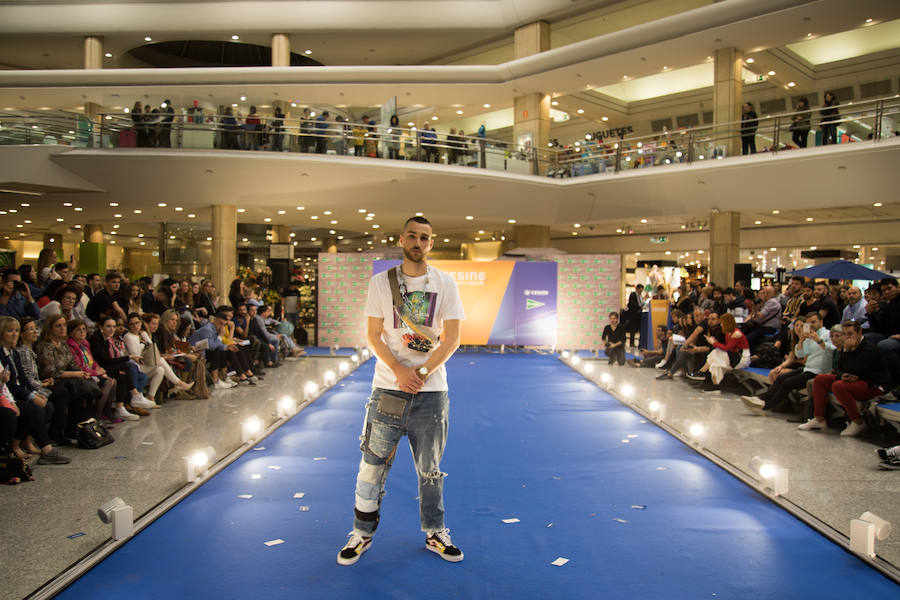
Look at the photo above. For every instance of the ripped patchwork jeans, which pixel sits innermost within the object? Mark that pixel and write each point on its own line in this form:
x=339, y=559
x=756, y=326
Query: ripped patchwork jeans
x=423, y=417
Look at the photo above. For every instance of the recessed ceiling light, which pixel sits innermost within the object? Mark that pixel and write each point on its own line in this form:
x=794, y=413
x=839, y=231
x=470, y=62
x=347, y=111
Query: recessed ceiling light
x=209, y=239
x=750, y=61
x=191, y=215
x=877, y=204
x=776, y=211
x=791, y=84
x=459, y=112
x=554, y=103
x=235, y=37
x=757, y=222
x=118, y=215
x=113, y=203
x=307, y=52
x=813, y=247
x=268, y=219
x=868, y=20
x=240, y=210
x=771, y=73
x=604, y=118
x=116, y=226
x=420, y=214
x=281, y=212
x=576, y=225
x=140, y=235
x=469, y=217
x=665, y=68
x=314, y=217
x=809, y=219
x=301, y=208
x=59, y=219
x=332, y=231
x=19, y=225
x=580, y=111
x=376, y=226
x=326, y=212
x=148, y=39
x=875, y=249
x=434, y=118
x=480, y=231
x=370, y=214
x=369, y=218
x=574, y=233
x=67, y=204
x=334, y=221
x=234, y=105
x=243, y=98
x=108, y=55
x=137, y=211
x=162, y=204
x=643, y=220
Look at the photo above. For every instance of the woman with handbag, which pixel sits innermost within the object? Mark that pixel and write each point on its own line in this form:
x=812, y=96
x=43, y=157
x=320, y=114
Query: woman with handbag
x=80, y=350
x=179, y=355
x=138, y=342
x=32, y=407
x=49, y=388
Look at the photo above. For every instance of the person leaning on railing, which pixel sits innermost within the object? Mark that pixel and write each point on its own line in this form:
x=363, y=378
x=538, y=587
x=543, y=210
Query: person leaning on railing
x=800, y=124
x=830, y=116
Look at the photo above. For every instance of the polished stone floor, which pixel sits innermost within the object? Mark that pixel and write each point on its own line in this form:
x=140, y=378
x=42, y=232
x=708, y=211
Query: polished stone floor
x=834, y=478
x=48, y=524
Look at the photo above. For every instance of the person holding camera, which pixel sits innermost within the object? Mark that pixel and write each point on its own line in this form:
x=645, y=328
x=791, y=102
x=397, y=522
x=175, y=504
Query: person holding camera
x=15, y=299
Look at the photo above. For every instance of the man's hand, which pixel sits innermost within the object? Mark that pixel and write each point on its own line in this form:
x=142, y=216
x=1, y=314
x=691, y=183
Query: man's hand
x=272, y=347
x=47, y=382
x=408, y=380
x=39, y=400
x=871, y=307
x=26, y=291
x=101, y=371
x=848, y=377
x=232, y=347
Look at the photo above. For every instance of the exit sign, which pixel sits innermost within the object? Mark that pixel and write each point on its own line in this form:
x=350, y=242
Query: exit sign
x=662, y=239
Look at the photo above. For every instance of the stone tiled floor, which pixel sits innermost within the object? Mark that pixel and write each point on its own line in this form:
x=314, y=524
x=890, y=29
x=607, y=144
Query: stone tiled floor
x=143, y=467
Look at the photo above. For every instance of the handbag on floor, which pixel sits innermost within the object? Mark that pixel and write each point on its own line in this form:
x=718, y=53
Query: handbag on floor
x=14, y=470
x=92, y=435
x=198, y=376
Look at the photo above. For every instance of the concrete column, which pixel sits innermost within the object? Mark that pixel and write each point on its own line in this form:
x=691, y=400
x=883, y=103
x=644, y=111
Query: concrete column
x=532, y=111
x=329, y=245
x=724, y=246
x=728, y=87
x=93, y=233
x=224, y=246
x=93, y=52
x=281, y=50
x=92, y=251
x=531, y=236
x=281, y=234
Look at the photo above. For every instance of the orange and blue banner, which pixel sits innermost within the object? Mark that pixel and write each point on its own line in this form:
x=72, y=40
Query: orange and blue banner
x=506, y=302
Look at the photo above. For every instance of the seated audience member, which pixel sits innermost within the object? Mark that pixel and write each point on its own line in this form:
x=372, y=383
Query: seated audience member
x=146, y=332
x=219, y=355
x=767, y=319
x=112, y=356
x=735, y=305
x=84, y=358
x=15, y=298
x=718, y=301
x=816, y=349
x=45, y=387
x=151, y=365
x=182, y=358
x=269, y=342
x=273, y=325
x=242, y=335
x=29, y=277
x=245, y=361
x=860, y=375
x=651, y=358
x=790, y=362
x=828, y=309
x=31, y=405
x=884, y=331
x=695, y=348
x=810, y=303
x=106, y=301
x=855, y=309
x=614, y=340
x=206, y=299
x=706, y=299
x=64, y=303
x=733, y=353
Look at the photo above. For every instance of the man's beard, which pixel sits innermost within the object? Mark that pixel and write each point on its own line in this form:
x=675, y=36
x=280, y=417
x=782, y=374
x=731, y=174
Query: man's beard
x=412, y=258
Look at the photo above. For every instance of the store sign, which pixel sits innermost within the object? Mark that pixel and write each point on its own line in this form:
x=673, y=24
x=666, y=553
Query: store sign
x=618, y=132
x=661, y=239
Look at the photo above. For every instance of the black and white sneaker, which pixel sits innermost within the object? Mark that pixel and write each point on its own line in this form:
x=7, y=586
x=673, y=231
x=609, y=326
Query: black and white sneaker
x=698, y=376
x=889, y=458
x=439, y=543
x=356, y=545
x=892, y=464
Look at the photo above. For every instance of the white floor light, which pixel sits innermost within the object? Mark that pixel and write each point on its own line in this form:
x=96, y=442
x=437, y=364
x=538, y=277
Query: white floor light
x=121, y=516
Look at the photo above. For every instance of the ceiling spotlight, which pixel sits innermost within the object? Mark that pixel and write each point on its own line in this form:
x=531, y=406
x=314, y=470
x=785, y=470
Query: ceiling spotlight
x=307, y=52
x=434, y=118
x=771, y=73
x=554, y=103
x=148, y=39
x=809, y=219
x=108, y=55
x=750, y=61
x=604, y=118
x=511, y=221
x=791, y=84
x=877, y=204
x=580, y=111
x=459, y=112
x=486, y=105
x=235, y=37
x=469, y=217
x=243, y=98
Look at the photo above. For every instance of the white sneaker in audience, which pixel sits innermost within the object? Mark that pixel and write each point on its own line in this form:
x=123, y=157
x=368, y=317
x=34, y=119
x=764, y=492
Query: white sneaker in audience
x=125, y=415
x=223, y=385
x=142, y=401
x=853, y=428
x=812, y=424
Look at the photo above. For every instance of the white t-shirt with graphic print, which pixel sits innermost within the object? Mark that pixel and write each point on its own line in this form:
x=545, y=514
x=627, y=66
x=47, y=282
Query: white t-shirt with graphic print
x=431, y=307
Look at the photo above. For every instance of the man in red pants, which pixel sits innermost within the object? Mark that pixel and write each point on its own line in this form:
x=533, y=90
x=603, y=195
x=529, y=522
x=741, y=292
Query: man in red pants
x=859, y=375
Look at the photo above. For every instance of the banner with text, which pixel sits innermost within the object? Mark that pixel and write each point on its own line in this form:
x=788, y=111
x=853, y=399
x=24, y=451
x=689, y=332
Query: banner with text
x=505, y=302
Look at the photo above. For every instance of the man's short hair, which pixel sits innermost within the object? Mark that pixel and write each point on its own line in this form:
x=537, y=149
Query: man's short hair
x=836, y=329
x=222, y=313
x=852, y=325
x=146, y=279
x=67, y=289
x=740, y=281
x=112, y=275
x=889, y=281
x=813, y=314
x=825, y=283
x=728, y=292
x=799, y=278
x=639, y=286
x=8, y=272
x=421, y=220
x=809, y=285
x=614, y=314
x=60, y=266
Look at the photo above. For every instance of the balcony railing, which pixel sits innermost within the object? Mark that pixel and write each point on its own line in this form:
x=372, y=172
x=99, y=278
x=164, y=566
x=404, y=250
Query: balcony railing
x=871, y=120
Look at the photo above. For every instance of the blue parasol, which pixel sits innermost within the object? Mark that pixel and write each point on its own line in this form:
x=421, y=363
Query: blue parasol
x=840, y=269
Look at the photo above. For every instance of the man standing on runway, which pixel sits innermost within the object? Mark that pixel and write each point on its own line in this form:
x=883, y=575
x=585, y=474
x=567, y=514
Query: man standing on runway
x=408, y=308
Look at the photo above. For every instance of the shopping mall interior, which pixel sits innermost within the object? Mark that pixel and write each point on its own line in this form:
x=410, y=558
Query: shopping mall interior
x=708, y=141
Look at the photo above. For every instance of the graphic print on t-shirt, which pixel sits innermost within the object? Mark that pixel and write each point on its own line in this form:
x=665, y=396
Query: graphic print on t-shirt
x=419, y=307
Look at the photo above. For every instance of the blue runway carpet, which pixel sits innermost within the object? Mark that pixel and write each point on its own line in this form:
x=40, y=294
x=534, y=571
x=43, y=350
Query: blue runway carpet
x=530, y=439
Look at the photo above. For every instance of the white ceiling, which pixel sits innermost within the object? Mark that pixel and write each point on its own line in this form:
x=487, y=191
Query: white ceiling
x=867, y=38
